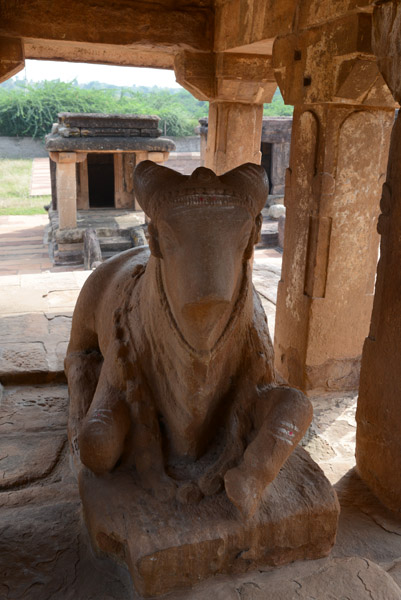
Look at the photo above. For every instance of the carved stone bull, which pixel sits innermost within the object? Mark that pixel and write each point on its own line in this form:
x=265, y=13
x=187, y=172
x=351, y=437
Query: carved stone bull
x=170, y=362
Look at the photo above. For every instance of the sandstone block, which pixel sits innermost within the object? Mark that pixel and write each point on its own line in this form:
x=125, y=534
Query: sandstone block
x=167, y=546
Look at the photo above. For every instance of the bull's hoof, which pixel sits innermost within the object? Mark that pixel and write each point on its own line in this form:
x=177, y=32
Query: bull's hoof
x=210, y=484
x=244, y=491
x=189, y=493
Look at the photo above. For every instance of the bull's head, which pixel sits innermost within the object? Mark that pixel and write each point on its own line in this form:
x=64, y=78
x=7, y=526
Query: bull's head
x=203, y=228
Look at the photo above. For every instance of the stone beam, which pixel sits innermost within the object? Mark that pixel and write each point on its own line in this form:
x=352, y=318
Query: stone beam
x=252, y=25
x=11, y=58
x=119, y=23
x=378, y=445
x=105, y=54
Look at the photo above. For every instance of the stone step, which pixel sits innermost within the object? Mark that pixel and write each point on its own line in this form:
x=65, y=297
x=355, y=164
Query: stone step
x=114, y=244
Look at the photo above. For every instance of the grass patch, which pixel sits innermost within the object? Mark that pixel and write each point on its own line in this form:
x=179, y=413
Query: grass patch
x=15, y=179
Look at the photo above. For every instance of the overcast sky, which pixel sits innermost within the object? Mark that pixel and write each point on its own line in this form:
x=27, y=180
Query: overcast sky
x=39, y=70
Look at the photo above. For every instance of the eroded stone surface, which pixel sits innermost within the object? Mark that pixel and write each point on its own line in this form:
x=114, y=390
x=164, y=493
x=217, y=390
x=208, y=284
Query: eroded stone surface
x=351, y=577
x=181, y=545
x=33, y=408
x=28, y=459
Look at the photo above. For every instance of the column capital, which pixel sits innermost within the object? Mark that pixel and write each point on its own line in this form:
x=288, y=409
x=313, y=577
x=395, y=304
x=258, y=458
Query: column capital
x=226, y=76
x=11, y=57
x=333, y=62
x=68, y=157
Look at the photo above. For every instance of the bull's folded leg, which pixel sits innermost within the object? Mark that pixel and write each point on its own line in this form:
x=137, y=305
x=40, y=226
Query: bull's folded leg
x=105, y=428
x=146, y=445
x=282, y=418
x=82, y=370
x=239, y=425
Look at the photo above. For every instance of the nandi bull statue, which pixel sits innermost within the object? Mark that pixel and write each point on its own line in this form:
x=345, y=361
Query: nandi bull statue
x=170, y=362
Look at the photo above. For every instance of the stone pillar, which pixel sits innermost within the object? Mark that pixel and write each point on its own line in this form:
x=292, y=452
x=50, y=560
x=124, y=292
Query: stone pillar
x=340, y=135
x=236, y=86
x=338, y=158
x=378, y=442
x=82, y=186
x=67, y=190
x=66, y=183
x=234, y=134
x=279, y=163
x=139, y=157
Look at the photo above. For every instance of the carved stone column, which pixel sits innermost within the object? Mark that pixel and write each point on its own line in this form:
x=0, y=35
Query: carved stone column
x=66, y=182
x=227, y=144
x=342, y=122
x=378, y=443
x=236, y=86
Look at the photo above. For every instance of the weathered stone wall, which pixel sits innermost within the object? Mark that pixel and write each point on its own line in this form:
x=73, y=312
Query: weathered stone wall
x=22, y=147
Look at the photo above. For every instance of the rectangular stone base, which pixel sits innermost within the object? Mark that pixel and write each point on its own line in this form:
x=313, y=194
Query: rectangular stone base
x=167, y=546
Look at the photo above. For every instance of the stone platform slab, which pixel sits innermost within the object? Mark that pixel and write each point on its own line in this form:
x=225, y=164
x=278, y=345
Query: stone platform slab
x=168, y=546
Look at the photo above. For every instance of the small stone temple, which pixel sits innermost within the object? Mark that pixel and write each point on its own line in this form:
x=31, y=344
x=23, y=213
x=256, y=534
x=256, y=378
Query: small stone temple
x=274, y=147
x=93, y=157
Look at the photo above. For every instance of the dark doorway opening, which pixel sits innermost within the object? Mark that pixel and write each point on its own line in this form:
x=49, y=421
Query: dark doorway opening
x=101, y=180
x=266, y=162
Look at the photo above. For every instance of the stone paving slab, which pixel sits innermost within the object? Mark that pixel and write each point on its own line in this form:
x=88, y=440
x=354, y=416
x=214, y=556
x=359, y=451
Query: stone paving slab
x=40, y=178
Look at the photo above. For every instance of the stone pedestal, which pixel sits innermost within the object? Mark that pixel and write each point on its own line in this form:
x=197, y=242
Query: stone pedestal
x=337, y=165
x=169, y=546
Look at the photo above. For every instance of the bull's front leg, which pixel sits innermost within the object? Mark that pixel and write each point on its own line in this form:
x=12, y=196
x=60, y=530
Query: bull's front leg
x=82, y=369
x=104, y=429
x=145, y=447
x=281, y=418
x=238, y=427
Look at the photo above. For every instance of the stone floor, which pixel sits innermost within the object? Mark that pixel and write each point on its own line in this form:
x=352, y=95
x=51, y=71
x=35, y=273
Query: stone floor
x=44, y=550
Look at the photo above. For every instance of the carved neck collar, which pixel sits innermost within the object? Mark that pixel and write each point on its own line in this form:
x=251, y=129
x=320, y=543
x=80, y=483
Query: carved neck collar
x=232, y=322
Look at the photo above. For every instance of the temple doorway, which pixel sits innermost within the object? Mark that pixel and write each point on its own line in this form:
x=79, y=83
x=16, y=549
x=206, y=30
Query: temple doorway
x=101, y=180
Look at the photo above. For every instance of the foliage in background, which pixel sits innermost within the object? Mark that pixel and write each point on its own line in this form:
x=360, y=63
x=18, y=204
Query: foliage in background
x=277, y=108
x=31, y=109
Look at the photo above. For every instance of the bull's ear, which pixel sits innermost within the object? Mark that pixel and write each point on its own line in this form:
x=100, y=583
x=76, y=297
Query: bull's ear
x=254, y=238
x=154, y=241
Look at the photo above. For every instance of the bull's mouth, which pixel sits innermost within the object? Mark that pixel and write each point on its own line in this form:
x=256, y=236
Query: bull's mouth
x=204, y=316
